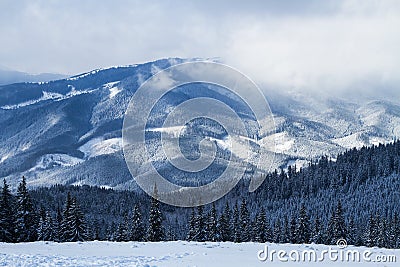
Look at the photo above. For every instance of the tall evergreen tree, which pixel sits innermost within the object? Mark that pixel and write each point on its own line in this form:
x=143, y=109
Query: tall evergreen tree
x=236, y=226
x=224, y=224
x=276, y=234
x=200, y=229
x=260, y=232
x=7, y=218
x=212, y=233
x=137, y=230
x=303, y=226
x=245, y=223
x=73, y=225
x=155, y=232
x=192, y=227
x=26, y=217
x=336, y=227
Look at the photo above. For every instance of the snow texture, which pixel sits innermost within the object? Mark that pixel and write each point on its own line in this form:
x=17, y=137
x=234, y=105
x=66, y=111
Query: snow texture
x=177, y=253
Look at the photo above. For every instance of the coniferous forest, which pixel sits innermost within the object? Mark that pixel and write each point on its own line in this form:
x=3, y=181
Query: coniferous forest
x=355, y=197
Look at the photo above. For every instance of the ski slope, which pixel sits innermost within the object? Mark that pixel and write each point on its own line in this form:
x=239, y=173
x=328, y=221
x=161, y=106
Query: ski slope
x=177, y=253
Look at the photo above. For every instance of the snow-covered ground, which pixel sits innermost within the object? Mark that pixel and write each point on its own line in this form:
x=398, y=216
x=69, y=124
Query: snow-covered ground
x=180, y=253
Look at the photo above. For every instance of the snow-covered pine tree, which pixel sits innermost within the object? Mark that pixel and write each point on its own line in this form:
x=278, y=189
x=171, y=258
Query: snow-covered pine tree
x=224, y=224
x=73, y=225
x=303, y=226
x=78, y=222
x=45, y=227
x=26, y=217
x=292, y=228
x=336, y=227
x=200, y=229
x=393, y=232
x=236, y=226
x=66, y=227
x=137, y=230
x=245, y=223
x=212, y=233
x=276, y=234
x=7, y=218
x=352, y=233
x=285, y=235
x=317, y=235
x=370, y=238
x=192, y=226
x=57, y=225
x=155, y=232
x=260, y=227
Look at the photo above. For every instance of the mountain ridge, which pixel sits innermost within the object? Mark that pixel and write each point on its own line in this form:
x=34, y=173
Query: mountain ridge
x=69, y=131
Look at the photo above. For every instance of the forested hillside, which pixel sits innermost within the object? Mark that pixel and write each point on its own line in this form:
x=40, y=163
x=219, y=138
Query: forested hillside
x=356, y=197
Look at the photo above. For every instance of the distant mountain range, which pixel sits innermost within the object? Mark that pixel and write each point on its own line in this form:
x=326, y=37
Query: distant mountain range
x=8, y=76
x=68, y=131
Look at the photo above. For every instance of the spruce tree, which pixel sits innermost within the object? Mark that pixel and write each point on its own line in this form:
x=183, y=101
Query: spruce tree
x=73, y=224
x=260, y=227
x=336, y=227
x=155, y=232
x=7, y=218
x=224, y=224
x=303, y=226
x=276, y=234
x=317, y=235
x=192, y=227
x=137, y=230
x=26, y=217
x=212, y=233
x=236, y=226
x=66, y=231
x=245, y=223
x=200, y=229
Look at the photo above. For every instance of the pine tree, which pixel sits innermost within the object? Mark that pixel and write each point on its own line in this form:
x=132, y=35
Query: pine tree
x=317, y=236
x=192, y=227
x=155, y=232
x=73, y=226
x=303, y=226
x=260, y=227
x=236, y=226
x=57, y=226
x=292, y=228
x=45, y=227
x=137, y=230
x=336, y=227
x=224, y=224
x=66, y=231
x=370, y=233
x=245, y=223
x=200, y=231
x=212, y=233
x=7, y=218
x=26, y=217
x=276, y=234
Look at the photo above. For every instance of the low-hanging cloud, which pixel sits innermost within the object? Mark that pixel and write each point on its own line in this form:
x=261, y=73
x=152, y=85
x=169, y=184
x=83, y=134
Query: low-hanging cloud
x=318, y=46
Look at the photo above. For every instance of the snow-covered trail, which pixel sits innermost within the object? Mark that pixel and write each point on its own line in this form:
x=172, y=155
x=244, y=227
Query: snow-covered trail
x=179, y=253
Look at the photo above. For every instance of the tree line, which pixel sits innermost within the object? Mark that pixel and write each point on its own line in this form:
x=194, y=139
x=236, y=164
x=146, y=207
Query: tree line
x=355, y=197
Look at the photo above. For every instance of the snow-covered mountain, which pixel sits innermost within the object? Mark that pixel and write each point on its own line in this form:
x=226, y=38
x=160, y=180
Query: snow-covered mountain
x=69, y=131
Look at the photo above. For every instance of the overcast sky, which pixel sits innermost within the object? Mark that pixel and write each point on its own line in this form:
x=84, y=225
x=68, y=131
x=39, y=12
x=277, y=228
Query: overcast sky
x=307, y=45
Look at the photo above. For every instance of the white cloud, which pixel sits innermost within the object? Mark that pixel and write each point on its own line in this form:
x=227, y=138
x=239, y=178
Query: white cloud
x=306, y=45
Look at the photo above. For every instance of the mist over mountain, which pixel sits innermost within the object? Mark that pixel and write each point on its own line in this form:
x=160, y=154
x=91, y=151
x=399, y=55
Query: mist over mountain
x=68, y=131
x=8, y=76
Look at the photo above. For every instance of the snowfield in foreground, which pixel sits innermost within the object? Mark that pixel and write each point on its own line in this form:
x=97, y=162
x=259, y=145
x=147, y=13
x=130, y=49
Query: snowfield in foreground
x=181, y=253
